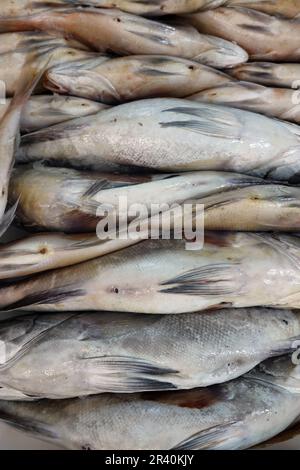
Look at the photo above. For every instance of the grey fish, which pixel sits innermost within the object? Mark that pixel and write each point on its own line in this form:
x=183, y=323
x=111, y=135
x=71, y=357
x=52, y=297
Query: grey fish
x=17, y=48
x=235, y=415
x=271, y=74
x=121, y=79
x=171, y=135
x=47, y=110
x=264, y=37
x=108, y=30
x=126, y=353
x=232, y=201
x=274, y=102
x=162, y=276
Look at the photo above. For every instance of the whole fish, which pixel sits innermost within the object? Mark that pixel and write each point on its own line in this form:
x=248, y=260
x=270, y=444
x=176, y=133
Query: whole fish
x=171, y=135
x=264, y=37
x=61, y=199
x=139, y=7
x=162, y=276
x=121, y=79
x=16, y=50
x=283, y=8
x=128, y=353
x=276, y=102
x=267, y=73
x=9, y=135
x=235, y=415
x=123, y=33
x=47, y=110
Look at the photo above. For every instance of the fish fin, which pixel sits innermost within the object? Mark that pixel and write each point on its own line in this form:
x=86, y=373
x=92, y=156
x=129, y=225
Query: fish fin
x=226, y=436
x=46, y=297
x=8, y=218
x=22, y=423
x=285, y=347
x=210, y=280
x=127, y=374
x=211, y=121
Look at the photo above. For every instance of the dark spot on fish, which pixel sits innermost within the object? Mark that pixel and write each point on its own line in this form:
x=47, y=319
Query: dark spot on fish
x=86, y=447
x=285, y=322
x=115, y=290
x=141, y=124
x=43, y=251
x=118, y=20
x=191, y=67
x=256, y=29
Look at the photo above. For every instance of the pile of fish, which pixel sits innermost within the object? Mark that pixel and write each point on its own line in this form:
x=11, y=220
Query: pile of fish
x=150, y=342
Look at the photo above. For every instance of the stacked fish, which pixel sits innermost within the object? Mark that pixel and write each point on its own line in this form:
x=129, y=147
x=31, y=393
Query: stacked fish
x=140, y=343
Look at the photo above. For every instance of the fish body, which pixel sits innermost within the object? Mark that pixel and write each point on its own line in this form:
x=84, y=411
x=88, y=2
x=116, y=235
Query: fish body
x=46, y=110
x=282, y=8
x=270, y=74
x=235, y=415
x=108, y=30
x=274, y=102
x=116, y=80
x=162, y=276
x=116, y=353
x=171, y=135
x=264, y=37
x=72, y=197
x=16, y=49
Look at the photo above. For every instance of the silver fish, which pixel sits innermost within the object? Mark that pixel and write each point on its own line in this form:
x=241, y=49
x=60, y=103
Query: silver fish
x=162, y=276
x=283, y=8
x=270, y=74
x=121, y=79
x=47, y=110
x=126, y=353
x=16, y=50
x=235, y=415
x=264, y=37
x=61, y=199
x=171, y=135
x=274, y=102
x=123, y=33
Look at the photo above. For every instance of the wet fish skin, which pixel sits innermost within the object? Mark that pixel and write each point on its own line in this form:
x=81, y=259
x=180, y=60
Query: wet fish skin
x=73, y=197
x=273, y=102
x=264, y=37
x=108, y=30
x=236, y=415
x=114, y=352
x=16, y=49
x=162, y=277
x=285, y=8
x=123, y=79
x=270, y=74
x=47, y=110
x=171, y=135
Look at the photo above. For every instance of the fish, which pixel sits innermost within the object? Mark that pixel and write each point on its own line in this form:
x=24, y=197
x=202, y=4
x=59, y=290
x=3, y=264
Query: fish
x=116, y=80
x=236, y=415
x=282, y=8
x=274, y=102
x=110, y=30
x=264, y=37
x=11, y=8
x=270, y=74
x=16, y=49
x=129, y=353
x=163, y=277
x=171, y=135
x=9, y=135
x=46, y=110
x=66, y=200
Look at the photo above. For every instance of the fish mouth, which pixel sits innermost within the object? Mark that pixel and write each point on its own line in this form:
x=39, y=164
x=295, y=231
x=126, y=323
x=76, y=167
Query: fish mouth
x=52, y=85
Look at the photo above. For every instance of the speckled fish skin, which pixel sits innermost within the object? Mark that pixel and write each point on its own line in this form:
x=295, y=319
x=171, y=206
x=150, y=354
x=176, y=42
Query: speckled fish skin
x=16, y=49
x=112, y=30
x=284, y=8
x=117, y=80
x=114, y=352
x=47, y=110
x=273, y=102
x=270, y=74
x=264, y=37
x=236, y=415
x=61, y=199
x=171, y=135
x=161, y=277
